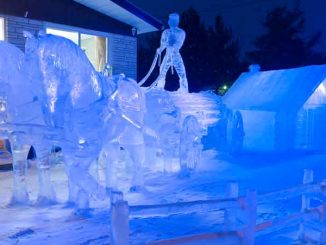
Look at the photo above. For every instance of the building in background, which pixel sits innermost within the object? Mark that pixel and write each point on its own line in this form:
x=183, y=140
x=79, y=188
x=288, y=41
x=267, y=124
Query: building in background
x=281, y=109
x=105, y=30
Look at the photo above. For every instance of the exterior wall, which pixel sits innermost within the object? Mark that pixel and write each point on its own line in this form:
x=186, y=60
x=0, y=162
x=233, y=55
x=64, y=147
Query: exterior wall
x=310, y=129
x=285, y=130
x=123, y=55
x=64, y=12
x=311, y=121
x=14, y=27
x=259, y=129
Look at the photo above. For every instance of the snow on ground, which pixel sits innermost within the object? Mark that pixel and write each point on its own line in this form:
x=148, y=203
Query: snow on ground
x=60, y=224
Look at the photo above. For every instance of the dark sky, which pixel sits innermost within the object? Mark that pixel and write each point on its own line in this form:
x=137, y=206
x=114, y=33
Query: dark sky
x=244, y=16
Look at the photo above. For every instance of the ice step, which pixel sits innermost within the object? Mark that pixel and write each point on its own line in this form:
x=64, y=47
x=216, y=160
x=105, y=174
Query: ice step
x=204, y=105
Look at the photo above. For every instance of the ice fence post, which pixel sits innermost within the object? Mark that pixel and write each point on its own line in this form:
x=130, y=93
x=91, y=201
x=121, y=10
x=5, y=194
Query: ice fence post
x=119, y=219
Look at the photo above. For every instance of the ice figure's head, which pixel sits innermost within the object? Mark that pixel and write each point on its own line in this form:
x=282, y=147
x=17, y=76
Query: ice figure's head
x=174, y=20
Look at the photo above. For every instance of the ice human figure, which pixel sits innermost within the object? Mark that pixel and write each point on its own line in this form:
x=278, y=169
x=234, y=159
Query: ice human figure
x=164, y=118
x=172, y=40
x=169, y=137
x=126, y=130
x=190, y=145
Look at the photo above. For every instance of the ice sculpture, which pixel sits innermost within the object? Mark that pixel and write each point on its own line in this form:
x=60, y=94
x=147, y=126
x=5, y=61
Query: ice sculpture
x=52, y=95
x=71, y=94
x=46, y=194
x=172, y=40
x=126, y=124
x=164, y=118
x=12, y=102
x=3, y=103
x=119, y=220
x=20, y=150
x=190, y=145
x=16, y=92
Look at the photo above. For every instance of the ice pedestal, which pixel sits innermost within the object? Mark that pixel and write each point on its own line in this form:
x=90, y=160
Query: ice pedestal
x=19, y=152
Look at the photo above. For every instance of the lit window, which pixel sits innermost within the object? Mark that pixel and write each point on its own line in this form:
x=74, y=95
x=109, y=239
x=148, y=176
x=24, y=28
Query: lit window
x=95, y=48
x=2, y=29
x=73, y=36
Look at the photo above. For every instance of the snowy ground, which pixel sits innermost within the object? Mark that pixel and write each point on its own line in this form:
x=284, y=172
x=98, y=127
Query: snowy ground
x=60, y=224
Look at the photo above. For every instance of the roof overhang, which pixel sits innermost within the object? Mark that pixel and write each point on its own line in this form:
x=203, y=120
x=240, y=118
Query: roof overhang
x=125, y=12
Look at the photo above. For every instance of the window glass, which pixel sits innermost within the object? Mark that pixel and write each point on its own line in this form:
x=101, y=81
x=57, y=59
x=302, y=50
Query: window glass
x=73, y=36
x=95, y=48
x=2, y=29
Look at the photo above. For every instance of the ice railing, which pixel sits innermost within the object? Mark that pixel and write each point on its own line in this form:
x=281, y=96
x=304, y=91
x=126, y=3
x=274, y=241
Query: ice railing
x=241, y=223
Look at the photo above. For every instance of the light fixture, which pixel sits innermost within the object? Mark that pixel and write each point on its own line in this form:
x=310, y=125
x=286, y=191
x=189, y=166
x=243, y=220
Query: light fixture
x=134, y=31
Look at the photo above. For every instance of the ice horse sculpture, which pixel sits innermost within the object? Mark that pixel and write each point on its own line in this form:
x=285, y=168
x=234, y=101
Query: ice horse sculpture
x=36, y=113
x=71, y=105
x=18, y=108
x=94, y=111
x=52, y=96
x=127, y=123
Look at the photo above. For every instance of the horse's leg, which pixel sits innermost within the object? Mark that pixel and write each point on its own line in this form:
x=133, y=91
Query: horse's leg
x=82, y=183
x=20, y=150
x=46, y=195
x=112, y=153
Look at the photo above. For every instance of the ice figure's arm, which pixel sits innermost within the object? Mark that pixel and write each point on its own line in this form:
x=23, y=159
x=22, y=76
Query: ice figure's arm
x=164, y=42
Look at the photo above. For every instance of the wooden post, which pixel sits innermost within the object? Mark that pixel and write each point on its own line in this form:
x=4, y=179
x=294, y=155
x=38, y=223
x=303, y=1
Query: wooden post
x=230, y=215
x=119, y=219
x=322, y=238
x=251, y=215
x=308, y=178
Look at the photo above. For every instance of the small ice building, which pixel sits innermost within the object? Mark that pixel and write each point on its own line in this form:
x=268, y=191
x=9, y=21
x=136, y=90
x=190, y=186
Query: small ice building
x=281, y=109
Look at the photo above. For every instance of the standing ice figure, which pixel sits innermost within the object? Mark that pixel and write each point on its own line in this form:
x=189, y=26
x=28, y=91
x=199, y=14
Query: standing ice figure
x=172, y=40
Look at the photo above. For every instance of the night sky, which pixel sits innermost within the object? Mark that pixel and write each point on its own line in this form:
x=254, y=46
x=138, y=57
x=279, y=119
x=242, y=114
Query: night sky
x=244, y=16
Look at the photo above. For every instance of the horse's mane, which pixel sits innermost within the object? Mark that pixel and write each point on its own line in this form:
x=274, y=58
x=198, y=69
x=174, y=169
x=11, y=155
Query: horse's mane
x=70, y=62
x=65, y=49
